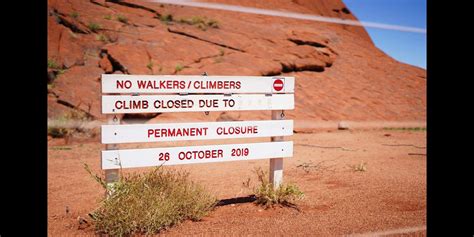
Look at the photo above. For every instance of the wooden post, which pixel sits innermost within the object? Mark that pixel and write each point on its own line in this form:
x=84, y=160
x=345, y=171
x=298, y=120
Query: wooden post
x=276, y=164
x=112, y=176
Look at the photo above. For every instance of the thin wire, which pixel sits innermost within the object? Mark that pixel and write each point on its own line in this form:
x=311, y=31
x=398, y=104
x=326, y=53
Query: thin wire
x=294, y=15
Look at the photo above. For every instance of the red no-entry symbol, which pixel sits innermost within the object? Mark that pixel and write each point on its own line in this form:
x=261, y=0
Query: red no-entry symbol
x=278, y=84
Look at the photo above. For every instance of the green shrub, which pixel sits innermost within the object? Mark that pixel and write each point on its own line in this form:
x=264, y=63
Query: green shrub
x=150, y=65
x=102, y=38
x=94, y=26
x=74, y=15
x=179, y=67
x=52, y=64
x=267, y=196
x=108, y=17
x=149, y=203
x=166, y=18
x=213, y=23
x=122, y=19
x=200, y=22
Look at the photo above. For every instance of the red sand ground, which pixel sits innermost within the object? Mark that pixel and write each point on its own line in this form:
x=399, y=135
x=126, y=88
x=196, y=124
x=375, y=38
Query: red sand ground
x=390, y=195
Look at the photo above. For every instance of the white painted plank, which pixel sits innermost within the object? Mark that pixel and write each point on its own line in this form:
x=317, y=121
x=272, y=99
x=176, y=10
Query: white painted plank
x=135, y=158
x=112, y=104
x=116, y=83
x=130, y=133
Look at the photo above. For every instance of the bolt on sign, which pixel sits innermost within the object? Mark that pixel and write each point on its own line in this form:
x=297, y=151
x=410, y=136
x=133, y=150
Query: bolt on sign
x=124, y=94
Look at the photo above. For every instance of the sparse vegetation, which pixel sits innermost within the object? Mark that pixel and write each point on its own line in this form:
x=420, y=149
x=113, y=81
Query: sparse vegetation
x=213, y=23
x=108, y=17
x=361, y=167
x=74, y=15
x=102, y=38
x=150, y=65
x=179, y=67
x=406, y=128
x=52, y=64
x=166, y=18
x=122, y=19
x=200, y=22
x=268, y=196
x=149, y=203
x=94, y=26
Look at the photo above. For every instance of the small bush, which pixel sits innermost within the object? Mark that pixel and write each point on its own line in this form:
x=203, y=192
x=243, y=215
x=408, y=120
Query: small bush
x=213, y=23
x=102, y=38
x=267, y=196
x=200, y=22
x=150, y=202
x=361, y=167
x=167, y=18
x=74, y=15
x=122, y=19
x=108, y=17
x=150, y=65
x=52, y=64
x=179, y=67
x=94, y=26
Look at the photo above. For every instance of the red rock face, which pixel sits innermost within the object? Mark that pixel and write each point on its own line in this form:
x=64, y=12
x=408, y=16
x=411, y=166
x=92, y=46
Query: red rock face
x=340, y=74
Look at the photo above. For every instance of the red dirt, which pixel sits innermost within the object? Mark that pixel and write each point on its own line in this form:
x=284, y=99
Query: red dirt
x=390, y=194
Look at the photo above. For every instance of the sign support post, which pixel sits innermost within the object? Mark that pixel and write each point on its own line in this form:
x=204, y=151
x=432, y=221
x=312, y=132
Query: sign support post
x=276, y=164
x=112, y=175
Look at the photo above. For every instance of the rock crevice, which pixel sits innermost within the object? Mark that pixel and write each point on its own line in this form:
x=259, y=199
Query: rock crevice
x=197, y=38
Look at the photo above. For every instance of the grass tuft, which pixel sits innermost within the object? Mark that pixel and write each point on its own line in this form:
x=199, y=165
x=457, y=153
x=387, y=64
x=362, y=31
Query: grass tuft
x=122, y=19
x=150, y=202
x=94, y=26
x=179, y=67
x=52, y=64
x=74, y=15
x=361, y=167
x=268, y=196
x=102, y=38
x=200, y=22
x=166, y=18
x=150, y=65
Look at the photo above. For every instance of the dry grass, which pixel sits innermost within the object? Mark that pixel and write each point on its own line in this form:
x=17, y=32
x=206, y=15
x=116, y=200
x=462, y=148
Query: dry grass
x=148, y=203
x=361, y=167
x=267, y=195
x=200, y=22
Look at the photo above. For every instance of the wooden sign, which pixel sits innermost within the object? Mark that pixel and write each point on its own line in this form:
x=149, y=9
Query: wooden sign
x=192, y=103
x=125, y=94
x=129, y=133
x=115, y=83
x=134, y=158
